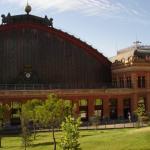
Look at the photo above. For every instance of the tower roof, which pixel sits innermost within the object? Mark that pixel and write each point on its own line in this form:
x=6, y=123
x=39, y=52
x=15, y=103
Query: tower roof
x=137, y=49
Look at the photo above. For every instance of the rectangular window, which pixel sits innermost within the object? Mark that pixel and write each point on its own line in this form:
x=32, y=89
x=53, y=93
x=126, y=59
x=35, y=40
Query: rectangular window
x=129, y=84
x=114, y=82
x=121, y=82
x=141, y=81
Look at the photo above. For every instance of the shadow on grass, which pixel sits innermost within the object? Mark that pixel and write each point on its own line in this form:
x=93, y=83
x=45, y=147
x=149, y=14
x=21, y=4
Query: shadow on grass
x=43, y=144
x=86, y=135
x=42, y=135
x=7, y=147
x=13, y=135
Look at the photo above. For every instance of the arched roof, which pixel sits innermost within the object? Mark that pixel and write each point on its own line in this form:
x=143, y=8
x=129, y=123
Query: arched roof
x=70, y=38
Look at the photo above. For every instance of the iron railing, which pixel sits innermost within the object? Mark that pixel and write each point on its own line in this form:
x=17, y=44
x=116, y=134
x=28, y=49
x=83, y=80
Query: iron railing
x=55, y=86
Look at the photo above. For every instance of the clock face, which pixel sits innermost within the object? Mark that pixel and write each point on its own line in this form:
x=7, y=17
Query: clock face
x=28, y=75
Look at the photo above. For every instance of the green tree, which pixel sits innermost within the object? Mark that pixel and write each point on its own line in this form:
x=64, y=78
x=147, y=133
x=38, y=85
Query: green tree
x=70, y=130
x=3, y=109
x=26, y=132
x=140, y=111
x=52, y=113
x=29, y=112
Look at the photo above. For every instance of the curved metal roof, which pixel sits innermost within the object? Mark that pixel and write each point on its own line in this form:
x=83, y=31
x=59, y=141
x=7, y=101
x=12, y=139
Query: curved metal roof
x=30, y=21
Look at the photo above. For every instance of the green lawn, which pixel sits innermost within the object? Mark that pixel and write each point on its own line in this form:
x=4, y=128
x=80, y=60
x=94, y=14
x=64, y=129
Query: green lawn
x=117, y=139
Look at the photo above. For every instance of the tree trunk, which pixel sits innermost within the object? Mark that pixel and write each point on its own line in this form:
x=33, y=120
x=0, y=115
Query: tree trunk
x=53, y=132
x=0, y=142
x=25, y=145
x=34, y=128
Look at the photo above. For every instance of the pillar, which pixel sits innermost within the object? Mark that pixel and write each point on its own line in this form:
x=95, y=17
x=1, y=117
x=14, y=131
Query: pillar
x=124, y=80
x=134, y=80
x=120, y=107
x=118, y=82
x=148, y=80
x=148, y=102
x=106, y=108
x=134, y=102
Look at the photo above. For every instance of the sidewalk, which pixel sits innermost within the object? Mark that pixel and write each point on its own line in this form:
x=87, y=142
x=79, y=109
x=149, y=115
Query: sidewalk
x=112, y=126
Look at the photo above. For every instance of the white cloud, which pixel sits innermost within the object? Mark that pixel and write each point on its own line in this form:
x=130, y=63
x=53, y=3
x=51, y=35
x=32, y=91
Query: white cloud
x=88, y=7
x=109, y=8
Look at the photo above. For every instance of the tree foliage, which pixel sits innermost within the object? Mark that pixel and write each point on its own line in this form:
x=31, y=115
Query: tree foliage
x=141, y=108
x=70, y=130
x=48, y=113
x=140, y=111
x=3, y=109
x=52, y=112
x=25, y=119
x=26, y=133
x=29, y=112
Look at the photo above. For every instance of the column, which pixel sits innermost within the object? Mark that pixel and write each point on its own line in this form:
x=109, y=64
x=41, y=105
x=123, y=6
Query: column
x=120, y=107
x=148, y=102
x=106, y=108
x=125, y=81
x=134, y=80
x=134, y=102
x=148, y=80
x=118, y=82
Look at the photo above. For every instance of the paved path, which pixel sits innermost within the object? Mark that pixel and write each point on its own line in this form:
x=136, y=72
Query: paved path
x=112, y=126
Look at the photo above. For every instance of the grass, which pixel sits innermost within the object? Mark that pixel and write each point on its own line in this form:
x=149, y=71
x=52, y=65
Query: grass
x=116, y=139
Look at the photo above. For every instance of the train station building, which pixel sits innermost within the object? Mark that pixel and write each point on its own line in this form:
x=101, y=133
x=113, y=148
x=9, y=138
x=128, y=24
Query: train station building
x=37, y=59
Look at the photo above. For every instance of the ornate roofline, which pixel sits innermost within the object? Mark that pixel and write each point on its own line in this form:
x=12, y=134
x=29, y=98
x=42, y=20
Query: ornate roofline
x=88, y=49
x=24, y=18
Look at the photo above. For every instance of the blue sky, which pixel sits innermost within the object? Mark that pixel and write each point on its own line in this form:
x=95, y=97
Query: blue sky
x=107, y=25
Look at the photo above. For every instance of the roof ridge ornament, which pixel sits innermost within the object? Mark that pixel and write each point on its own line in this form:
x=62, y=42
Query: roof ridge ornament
x=28, y=8
x=8, y=19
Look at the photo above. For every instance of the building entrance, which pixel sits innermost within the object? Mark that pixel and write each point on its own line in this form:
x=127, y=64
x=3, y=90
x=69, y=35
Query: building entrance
x=113, y=109
x=15, y=113
x=127, y=108
x=99, y=108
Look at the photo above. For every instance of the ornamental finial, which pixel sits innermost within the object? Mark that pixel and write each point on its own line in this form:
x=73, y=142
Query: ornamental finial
x=28, y=8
